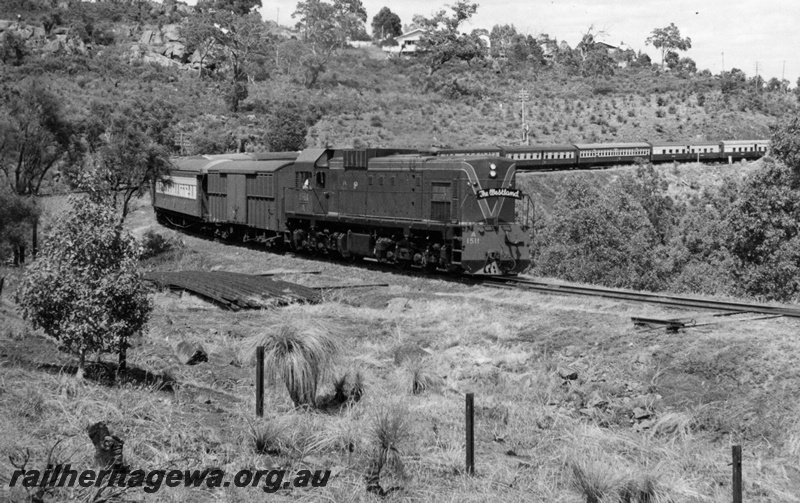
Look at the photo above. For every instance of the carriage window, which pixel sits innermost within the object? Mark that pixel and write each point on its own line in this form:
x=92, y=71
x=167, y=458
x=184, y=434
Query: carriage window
x=320, y=179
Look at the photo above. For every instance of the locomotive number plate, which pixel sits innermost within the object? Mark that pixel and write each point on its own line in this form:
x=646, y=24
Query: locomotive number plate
x=472, y=241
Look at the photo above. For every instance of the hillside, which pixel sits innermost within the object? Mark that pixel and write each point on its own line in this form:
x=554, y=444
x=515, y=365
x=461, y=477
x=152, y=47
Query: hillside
x=110, y=53
x=685, y=181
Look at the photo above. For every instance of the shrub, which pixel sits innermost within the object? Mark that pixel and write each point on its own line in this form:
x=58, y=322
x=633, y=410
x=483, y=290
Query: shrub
x=765, y=233
x=287, y=128
x=600, y=237
x=154, y=244
x=84, y=290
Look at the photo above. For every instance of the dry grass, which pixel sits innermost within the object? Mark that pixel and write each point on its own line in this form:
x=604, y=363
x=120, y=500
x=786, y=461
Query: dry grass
x=538, y=437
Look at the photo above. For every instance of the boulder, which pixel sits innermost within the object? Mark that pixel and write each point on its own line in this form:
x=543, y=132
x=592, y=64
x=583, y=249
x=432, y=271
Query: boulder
x=410, y=353
x=567, y=373
x=170, y=33
x=38, y=32
x=157, y=39
x=52, y=47
x=159, y=59
x=5, y=24
x=571, y=351
x=174, y=50
x=190, y=354
x=596, y=400
x=144, y=39
x=61, y=30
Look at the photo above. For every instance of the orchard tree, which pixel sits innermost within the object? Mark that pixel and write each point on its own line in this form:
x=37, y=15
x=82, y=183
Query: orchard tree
x=35, y=138
x=84, y=291
x=325, y=27
x=17, y=216
x=386, y=24
x=502, y=38
x=287, y=129
x=525, y=50
x=232, y=31
x=668, y=39
x=127, y=151
x=443, y=40
x=13, y=50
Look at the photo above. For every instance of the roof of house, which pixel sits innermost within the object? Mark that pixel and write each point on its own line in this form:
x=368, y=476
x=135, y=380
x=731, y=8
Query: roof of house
x=418, y=32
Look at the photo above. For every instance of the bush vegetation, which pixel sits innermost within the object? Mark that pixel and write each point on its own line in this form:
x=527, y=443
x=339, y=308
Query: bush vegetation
x=740, y=238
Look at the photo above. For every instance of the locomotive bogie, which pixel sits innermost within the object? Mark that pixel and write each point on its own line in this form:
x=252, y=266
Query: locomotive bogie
x=494, y=249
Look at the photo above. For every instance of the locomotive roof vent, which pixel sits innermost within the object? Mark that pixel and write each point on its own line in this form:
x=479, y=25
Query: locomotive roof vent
x=358, y=158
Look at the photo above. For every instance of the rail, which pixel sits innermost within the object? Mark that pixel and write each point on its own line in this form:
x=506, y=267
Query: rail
x=647, y=297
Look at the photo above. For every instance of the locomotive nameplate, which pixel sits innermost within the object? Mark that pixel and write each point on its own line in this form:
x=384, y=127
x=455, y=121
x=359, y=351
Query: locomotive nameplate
x=512, y=193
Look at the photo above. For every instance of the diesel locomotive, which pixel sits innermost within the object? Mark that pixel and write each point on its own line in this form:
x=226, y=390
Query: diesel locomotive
x=453, y=213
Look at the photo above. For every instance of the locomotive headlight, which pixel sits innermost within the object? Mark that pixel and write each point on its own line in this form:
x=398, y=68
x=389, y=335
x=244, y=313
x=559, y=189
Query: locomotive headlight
x=492, y=171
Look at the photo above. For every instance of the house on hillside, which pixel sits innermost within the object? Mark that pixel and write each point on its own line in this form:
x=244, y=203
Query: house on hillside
x=406, y=43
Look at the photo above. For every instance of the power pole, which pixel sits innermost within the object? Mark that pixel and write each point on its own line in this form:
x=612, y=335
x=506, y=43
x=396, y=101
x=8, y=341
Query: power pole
x=758, y=88
x=723, y=62
x=783, y=76
x=523, y=97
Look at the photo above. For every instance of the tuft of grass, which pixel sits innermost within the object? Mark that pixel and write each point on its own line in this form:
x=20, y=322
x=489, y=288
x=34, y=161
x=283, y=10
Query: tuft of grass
x=267, y=437
x=423, y=379
x=299, y=354
x=596, y=481
x=390, y=430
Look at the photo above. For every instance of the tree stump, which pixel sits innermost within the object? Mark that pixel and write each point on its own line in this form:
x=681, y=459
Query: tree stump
x=108, y=447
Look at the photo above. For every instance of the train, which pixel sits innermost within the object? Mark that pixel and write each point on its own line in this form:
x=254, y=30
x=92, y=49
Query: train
x=454, y=213
x=591, y=155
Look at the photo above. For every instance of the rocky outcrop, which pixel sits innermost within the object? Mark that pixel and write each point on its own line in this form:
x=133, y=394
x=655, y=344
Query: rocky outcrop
x=153, y=44
x=36, y=38
x=162, y=46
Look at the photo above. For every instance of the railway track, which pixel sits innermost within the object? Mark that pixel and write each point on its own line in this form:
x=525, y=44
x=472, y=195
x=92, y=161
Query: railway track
x=668, y=300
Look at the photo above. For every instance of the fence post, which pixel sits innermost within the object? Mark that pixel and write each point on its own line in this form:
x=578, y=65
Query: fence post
x=471, y=433
x=737, y=473
x=260, y=381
